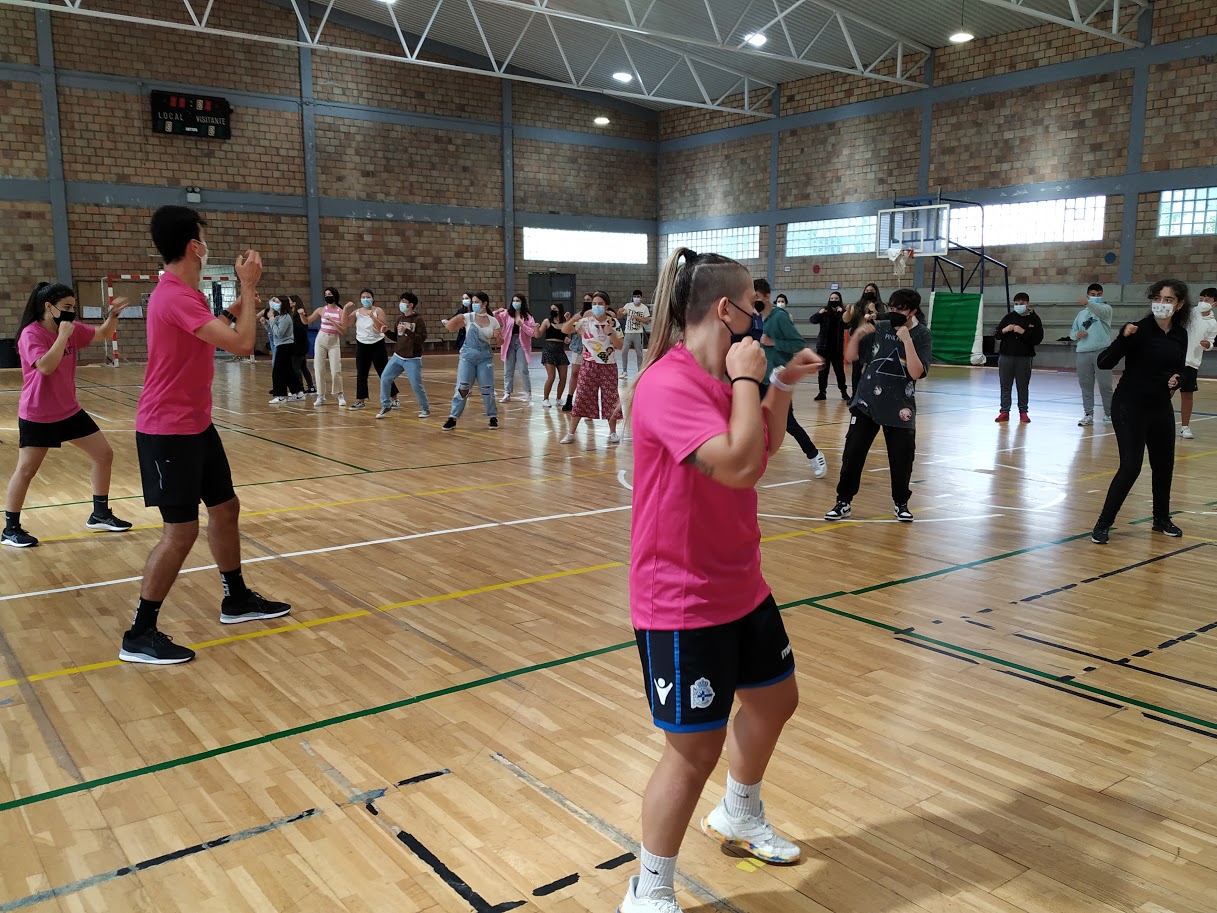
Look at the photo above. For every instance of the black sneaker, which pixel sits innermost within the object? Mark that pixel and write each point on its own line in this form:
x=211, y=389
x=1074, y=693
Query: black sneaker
x=153, y=647
x=250, y=607
x=840, y=512
x=1100, y=534
x=107, y=521
x=566, y=407
x=821, y=396
x=18, y=538
x=494, y=423
x=1166, y=527
x=449, y=425
x=902, y=513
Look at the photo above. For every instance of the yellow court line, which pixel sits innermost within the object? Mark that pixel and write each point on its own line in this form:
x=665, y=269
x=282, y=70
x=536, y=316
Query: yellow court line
x=393, y=497
x=1111, y=472
x=330, y=619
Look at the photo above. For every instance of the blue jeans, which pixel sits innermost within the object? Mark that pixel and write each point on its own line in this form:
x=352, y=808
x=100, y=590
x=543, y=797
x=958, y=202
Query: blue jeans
x=474, y=366
x=515, y=357
x=413, y=369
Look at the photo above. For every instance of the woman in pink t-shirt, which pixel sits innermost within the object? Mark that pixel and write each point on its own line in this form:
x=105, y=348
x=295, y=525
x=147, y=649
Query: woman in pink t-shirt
x=707, y=626
x=48, y=340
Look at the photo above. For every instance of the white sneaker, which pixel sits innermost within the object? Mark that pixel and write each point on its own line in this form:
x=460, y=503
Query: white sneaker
x=548, y=404
x=1186, y=433
x=393, y=404
x=505, y=398
x=660, y=900
x=424, y=414
x=342, y=400
x=296, y=397
x=755, y=835
x=614, y=438
x=526, y=398
x=320, y=401
x=819, y=465
x=384, y=412
x=567, y=438
x=1086, y=419
x=275, y=400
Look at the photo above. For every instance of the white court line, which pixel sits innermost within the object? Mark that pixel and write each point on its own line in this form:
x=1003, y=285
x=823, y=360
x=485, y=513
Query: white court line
x=784, y=484
x=820, y=519
x=332, y=548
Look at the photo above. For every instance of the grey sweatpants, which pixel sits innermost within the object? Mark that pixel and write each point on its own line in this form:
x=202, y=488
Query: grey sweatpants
x=632, y=341
x=1088, y=370
x=1011, y=370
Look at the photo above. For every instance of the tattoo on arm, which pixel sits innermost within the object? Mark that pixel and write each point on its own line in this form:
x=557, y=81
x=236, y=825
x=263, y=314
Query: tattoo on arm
x=700, y=465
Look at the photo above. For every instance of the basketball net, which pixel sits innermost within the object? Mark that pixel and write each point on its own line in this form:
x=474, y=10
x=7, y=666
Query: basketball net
x=900, y=257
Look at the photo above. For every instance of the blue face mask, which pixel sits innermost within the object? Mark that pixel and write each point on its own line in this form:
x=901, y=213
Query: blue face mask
x=1020, y=309
x=404, y=307
x=366, y=302
x=478, y=307
x=1096, y=299
x=464, y=302
x=275, y=306
x=598, y=310
x=515, y=305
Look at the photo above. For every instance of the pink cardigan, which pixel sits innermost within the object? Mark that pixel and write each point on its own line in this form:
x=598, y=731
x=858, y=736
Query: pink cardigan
x=528, y=329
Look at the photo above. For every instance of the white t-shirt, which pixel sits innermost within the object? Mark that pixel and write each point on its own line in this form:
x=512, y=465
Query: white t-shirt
x=632, y=312
x=487, y=331
x=597, y=336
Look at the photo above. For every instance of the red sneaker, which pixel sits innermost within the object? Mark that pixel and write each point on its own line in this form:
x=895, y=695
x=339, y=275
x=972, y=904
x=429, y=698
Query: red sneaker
x=1002, y=417
x=1024, y=418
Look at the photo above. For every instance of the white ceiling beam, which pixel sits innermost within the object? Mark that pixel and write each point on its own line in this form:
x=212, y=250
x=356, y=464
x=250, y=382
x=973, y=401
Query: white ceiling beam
x=1075, y=21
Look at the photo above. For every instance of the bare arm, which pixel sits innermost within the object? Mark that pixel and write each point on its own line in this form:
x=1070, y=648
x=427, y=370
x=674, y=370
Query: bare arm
x=105, y=329
x=238, y=340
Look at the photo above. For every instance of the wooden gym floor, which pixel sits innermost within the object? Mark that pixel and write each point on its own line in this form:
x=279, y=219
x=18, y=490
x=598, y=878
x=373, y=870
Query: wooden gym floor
x=997, y=715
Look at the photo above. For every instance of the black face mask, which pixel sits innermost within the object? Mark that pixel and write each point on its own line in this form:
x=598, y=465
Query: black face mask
x=868, y=296
x=64, y=317
x=739, y=337
x=329, y=300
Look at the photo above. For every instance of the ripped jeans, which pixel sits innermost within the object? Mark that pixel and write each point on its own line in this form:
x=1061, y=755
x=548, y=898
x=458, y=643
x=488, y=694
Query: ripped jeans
x=478, y=367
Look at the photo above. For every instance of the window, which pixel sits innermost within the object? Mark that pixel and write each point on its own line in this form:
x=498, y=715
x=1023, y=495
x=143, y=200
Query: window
x=1187, y=212
x=831, y=236
x=736, y=243
x=557, y=246
x=1038, y=222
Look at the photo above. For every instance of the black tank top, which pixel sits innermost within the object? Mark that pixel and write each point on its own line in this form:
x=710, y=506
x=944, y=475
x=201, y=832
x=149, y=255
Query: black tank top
x=554, y=332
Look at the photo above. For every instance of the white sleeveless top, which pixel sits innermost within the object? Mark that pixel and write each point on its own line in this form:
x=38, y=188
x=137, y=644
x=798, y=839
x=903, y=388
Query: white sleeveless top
x=365, y=330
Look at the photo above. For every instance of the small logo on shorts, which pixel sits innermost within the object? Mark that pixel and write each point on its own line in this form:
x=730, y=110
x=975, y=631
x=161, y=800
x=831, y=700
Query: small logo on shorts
x=786, y=652
x=701, y=695
x=662, y=690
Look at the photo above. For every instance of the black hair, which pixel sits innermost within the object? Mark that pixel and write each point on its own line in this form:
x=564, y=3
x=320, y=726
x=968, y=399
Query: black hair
x=330, y=288
x=1208, y=293
x=637, y=291
x=608, y=302
x=44, y=293
x=783, y=295
x=411, y=297
x=1181, y=316
x=761, y=286
x=1095, y=287
x=906, y=299
x=482, y=297
x=368, y=290
x=524, y=311
x=1022, y=296
x=588, y=295
x=173, y=228
x=836, y=292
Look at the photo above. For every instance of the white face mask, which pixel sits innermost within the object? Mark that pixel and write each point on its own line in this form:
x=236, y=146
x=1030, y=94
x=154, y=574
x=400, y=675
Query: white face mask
x=637, y=300
x=203, y=259
x=1161, y=310
x=1205, y=309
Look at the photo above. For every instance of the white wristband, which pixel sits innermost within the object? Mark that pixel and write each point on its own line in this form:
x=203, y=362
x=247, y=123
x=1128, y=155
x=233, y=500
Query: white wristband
x=775, y=381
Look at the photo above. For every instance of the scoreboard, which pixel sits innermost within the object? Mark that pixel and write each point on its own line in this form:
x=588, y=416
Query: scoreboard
x=191, y=115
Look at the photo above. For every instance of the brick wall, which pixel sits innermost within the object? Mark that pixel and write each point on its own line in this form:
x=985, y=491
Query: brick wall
x=678, y=122
x=715, y=180
x=27, y=257
x=1175, y=20
x=436, y=262
x=365, y=160
x=107, y=137
x=1179, y=115
x=405, y=87
x=859, y=159
x=580, y=180
x=829, y=90
x=1015, y=51
x=18, y=35
x=537, y=106
x=1073, y=129
x=147, y=52
x=1189, y=258
x=22, y=144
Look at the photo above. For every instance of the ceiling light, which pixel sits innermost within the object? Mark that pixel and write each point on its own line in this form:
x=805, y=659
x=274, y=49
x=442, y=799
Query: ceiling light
x=756, y=39
x=622, y=76
x=601, y=121
x=962, y=36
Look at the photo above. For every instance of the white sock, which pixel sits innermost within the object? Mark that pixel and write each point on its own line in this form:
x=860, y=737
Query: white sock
x=655, y=872
x=742, y=801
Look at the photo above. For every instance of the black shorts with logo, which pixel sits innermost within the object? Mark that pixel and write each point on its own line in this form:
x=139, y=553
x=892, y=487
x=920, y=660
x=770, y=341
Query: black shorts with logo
x=1189, y=380
x=54, y=434
x=179, y=470
x=691, y=676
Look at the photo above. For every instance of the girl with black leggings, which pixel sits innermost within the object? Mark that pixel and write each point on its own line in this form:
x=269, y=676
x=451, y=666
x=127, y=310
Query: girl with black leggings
x=1153, y=349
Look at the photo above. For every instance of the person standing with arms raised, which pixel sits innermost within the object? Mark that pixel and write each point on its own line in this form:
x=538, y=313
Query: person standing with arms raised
x=181, y=457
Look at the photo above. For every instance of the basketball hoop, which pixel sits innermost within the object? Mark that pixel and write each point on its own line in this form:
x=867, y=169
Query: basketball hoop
x=900, y=257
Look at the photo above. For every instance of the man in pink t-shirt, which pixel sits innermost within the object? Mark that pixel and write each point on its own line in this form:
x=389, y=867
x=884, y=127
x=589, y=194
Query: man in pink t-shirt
x=181, y=458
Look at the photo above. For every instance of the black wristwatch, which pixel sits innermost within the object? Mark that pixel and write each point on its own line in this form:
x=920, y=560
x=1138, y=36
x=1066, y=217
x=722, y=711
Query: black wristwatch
x=228, y=315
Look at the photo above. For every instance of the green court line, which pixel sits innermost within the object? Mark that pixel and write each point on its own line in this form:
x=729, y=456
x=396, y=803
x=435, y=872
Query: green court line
x=1081, y=686
x=270, y=440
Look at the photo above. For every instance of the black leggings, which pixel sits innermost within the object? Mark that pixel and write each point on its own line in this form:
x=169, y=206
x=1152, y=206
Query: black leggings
x=1141, y=426
x=856, y=372
x=834, y=361
x=300, y=365
x=283, y=376
x=368, y=355
x=901, y=449
x=795, y=430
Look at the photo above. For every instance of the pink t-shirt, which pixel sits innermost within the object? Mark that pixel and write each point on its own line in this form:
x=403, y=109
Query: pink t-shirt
x=49, y=398
x=695, y=550
x=176, y=398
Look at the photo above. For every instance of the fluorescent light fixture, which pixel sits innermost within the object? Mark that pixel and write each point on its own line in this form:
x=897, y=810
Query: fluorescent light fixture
x=622, y=76
x=601, y=121
x=756, y=39
x=963, y=36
